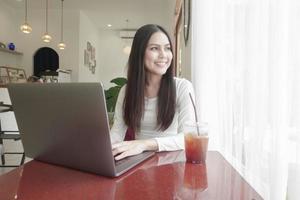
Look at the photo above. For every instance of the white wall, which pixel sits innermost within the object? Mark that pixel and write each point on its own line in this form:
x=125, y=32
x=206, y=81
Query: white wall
x=112, y=59
x=7, y=35
x=87, y=33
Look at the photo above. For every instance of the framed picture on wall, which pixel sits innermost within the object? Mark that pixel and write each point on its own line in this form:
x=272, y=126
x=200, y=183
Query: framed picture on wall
x=90, y=57
x=93, y=53
x=89, y=46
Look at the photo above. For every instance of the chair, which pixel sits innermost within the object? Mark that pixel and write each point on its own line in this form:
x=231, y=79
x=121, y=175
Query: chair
x=5, y=136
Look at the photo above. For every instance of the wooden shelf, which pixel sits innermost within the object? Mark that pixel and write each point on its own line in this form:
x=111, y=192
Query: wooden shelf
x=10, y=51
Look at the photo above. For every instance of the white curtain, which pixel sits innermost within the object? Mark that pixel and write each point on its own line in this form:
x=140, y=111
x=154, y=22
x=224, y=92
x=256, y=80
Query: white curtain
x=246, y=74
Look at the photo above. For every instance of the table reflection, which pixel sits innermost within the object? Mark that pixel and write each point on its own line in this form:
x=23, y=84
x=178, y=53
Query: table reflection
x=164, y=176
x=195, y=177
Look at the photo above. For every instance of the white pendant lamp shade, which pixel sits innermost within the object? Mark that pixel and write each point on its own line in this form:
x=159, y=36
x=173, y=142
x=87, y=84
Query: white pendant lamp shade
x=46, y=37
x=62, y=45
x=25, y=28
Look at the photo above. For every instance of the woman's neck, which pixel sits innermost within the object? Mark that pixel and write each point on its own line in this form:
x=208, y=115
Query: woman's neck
x=152, y=87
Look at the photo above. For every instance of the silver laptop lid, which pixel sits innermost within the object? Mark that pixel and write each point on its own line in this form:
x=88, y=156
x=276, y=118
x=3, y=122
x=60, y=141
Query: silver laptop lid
x=64, y=124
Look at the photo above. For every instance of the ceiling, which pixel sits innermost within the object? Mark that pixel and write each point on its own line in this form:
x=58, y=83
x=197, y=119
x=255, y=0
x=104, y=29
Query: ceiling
x=103, y=12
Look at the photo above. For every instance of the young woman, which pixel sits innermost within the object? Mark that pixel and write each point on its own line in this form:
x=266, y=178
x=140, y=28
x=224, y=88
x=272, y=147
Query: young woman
x=154, y=104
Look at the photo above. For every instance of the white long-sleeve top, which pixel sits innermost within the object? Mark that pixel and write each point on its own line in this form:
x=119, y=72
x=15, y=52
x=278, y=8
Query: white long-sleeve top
x=172, y=138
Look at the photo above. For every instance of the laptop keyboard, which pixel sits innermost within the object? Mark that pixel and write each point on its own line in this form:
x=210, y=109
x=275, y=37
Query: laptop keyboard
x=132, y=159
x=119, y=162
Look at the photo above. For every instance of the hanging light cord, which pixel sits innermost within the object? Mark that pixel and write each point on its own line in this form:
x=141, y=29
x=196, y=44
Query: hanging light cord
x=47, y=16
x=127, y=21
x=62, y=20
x=25, y=11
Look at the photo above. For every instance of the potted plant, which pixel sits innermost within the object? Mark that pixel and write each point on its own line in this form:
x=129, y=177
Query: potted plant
x=111, y=95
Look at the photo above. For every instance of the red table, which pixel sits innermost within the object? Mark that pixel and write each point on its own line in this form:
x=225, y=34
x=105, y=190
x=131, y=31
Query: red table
x=164, y=176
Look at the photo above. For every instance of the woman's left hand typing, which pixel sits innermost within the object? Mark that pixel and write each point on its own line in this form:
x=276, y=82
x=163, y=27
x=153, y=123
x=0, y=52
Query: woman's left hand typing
x=129, y=148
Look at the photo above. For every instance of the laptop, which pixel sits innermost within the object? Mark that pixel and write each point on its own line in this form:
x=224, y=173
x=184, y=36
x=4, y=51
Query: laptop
x=67, y=124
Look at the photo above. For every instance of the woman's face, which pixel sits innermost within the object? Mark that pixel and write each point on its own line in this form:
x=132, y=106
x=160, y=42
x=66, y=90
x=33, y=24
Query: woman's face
x=158, y=54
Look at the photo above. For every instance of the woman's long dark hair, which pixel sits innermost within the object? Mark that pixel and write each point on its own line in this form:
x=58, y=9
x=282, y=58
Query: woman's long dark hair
x=134, y=101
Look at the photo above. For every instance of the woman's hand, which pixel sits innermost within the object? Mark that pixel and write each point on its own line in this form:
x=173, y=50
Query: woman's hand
x=134, y=147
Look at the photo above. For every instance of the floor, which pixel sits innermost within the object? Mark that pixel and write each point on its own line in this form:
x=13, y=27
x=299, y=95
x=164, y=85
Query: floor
x=12, y=146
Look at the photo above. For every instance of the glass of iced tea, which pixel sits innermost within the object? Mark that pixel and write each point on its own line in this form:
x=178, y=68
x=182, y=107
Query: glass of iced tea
x=196, y=142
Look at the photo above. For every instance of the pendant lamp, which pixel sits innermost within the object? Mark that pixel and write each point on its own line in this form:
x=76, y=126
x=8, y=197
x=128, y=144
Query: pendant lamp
x=62, y=45
x=46, y=37
x=26, y=28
